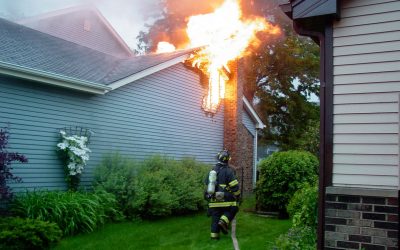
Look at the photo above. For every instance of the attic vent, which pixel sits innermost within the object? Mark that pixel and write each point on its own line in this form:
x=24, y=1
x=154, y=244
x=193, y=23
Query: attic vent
x=87, y=25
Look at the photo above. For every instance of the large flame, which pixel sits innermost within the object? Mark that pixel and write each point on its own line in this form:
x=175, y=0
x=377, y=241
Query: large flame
x=225, y=36
x=163, y=47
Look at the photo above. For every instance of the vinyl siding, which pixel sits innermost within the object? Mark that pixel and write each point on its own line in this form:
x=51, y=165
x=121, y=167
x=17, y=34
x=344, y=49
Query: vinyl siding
x=366, y=94
x=159, y=114
x=248, y=123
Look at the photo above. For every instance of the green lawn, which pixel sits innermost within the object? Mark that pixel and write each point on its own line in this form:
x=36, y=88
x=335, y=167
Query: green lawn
x=186, y=232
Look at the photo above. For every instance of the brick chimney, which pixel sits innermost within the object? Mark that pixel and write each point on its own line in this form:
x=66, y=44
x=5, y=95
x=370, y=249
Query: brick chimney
x=237, y=139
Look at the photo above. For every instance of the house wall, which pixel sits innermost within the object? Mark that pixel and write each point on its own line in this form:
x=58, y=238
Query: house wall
x=248, y=123
x=366, y=94
x=362, y=206
x=159, y=114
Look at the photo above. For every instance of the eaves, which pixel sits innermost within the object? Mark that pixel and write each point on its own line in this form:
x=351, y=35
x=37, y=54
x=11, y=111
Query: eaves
x=52, y=79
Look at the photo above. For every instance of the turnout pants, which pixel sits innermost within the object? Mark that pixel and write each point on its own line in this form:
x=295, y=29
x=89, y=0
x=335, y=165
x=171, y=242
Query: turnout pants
x=226, y=214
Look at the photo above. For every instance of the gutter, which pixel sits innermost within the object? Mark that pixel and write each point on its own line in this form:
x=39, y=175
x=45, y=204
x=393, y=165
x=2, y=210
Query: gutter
x=52, y=79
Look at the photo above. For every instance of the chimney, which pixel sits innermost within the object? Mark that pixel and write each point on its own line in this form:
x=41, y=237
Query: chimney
x=237, y=139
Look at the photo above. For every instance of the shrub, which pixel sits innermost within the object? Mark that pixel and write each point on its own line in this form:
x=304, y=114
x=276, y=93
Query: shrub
x=303, y=207
x=156, y=187
x=116, y=175
x=73, y=212
x=6, y=158
x=17, y=233
x=165, y=186
x=299, y=238
x=281, y=175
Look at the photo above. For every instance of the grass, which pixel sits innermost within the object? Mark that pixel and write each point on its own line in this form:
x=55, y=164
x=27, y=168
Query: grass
x=180, y=233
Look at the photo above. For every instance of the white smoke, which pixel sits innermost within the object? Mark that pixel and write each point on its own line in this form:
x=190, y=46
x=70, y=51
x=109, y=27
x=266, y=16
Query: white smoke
x=128, y=17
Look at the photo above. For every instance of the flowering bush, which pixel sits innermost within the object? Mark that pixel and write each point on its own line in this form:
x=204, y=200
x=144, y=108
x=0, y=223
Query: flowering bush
x=75, y=153
x=6, y=158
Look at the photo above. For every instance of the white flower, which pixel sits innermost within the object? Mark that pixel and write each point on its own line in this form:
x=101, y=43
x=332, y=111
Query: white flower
x=62, y=145
x=77, y=150
x=71, y=166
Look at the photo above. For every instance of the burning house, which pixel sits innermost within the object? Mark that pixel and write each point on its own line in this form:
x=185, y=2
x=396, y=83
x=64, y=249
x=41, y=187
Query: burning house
x=80, y=73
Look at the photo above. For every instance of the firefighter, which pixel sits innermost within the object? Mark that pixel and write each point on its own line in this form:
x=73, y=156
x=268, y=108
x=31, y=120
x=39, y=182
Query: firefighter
x=222, y=194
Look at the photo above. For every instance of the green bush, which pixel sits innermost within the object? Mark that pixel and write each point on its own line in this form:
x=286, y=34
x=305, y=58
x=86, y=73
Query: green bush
x=299, y=238
x=73, y=212
x=303, y=207
x=281, y=175
x=116, y=175
x=17, y=233
x=156, y=187
x=165, y=186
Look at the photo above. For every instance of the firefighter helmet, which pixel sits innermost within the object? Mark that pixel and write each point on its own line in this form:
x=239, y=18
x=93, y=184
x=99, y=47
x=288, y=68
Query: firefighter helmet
x=224, y=156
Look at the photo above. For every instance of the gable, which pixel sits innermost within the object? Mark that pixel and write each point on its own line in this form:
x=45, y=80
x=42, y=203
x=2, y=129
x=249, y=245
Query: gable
x=81, y=25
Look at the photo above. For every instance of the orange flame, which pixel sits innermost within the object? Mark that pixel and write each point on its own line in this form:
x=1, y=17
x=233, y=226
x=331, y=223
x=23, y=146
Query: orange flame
x=163, y=47
x=225, y=36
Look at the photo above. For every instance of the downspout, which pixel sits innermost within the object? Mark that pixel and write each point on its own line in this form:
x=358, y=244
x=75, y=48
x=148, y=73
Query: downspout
x=325, y=129
x=255, y=159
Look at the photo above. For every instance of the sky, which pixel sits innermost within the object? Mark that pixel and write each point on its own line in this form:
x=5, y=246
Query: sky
x=128, y=17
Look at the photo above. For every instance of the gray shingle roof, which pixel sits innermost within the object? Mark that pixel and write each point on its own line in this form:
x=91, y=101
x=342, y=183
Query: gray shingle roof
x=22, y=46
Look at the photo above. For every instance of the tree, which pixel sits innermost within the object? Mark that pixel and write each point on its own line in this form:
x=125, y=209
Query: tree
x=282, y=75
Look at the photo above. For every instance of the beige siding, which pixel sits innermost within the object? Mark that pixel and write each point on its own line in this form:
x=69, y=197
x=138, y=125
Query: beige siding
x=366, y=94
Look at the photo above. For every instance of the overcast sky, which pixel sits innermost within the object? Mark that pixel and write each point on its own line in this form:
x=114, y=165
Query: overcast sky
x=126, y=16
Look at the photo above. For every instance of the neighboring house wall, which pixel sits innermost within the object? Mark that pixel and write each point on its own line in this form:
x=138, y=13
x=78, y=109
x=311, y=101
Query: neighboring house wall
x=84, y=26
x=159, y=114
x=361, y=208
x=366, y=94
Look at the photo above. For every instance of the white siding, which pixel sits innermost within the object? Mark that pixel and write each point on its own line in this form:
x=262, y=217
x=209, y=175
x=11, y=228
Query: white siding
x=366, y=94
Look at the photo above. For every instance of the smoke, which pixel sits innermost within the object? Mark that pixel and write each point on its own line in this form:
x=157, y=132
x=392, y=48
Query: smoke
x=128, y=17
x=141, y=23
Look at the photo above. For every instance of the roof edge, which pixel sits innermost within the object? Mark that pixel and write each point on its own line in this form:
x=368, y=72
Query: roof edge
x=52, y=79
x=148, y=71
x=253, y=113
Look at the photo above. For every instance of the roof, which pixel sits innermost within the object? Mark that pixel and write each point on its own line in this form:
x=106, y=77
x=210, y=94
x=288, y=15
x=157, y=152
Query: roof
x=39, y=54
x=299, y=9
x=84, y=25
